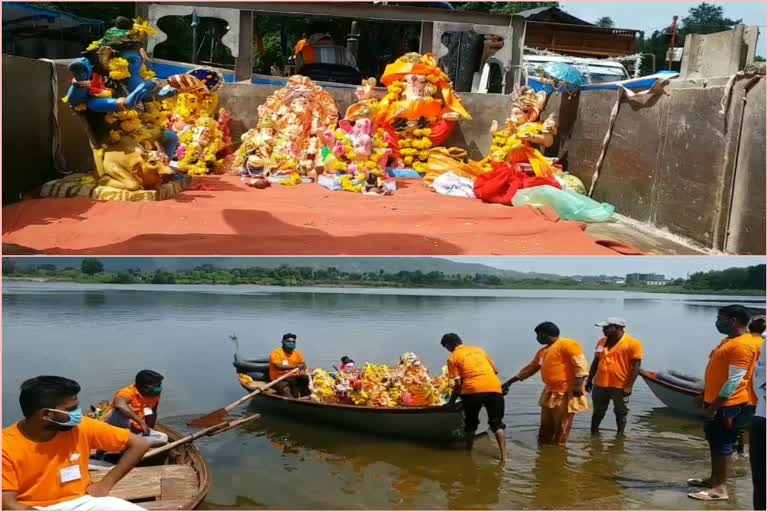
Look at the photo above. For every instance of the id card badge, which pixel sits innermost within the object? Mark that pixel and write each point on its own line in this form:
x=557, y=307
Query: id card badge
x=70, y=474
x=148, y=411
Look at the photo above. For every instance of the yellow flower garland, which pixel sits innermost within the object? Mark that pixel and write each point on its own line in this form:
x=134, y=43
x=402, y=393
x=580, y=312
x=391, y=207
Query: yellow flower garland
x=118, y=69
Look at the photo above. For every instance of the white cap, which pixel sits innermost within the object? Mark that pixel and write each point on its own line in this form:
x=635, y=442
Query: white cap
x=612, y=321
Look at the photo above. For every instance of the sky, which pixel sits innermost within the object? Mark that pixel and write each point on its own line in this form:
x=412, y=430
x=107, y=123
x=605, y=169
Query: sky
x=650, y=16
x=670, y=266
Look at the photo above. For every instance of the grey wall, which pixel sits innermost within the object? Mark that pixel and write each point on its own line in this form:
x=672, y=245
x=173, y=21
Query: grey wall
x=27, y=160
x=674, y=163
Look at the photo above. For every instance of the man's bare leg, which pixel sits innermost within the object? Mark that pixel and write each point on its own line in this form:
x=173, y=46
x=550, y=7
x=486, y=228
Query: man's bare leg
x=502, y=440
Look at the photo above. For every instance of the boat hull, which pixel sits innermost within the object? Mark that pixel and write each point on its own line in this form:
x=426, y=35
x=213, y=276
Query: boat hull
x=677, y=398
x=427, y=424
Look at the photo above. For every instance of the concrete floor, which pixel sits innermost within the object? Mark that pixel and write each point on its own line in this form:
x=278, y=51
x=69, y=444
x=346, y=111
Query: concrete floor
x=221, y=216
x=646, y=238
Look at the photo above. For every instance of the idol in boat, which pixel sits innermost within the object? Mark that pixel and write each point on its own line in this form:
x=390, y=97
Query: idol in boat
x=514, y=142
x=420, y=109
x=120, y=102
x=298, y=115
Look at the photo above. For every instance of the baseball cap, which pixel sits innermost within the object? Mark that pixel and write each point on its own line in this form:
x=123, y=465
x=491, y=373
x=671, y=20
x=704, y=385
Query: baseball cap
x=612, y=321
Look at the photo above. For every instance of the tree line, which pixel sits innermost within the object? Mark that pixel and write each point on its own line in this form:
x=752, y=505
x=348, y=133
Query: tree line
x=751, y=278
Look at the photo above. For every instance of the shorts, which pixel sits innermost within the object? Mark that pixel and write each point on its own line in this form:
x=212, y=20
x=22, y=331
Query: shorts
x=494, y=406
x=722, y=431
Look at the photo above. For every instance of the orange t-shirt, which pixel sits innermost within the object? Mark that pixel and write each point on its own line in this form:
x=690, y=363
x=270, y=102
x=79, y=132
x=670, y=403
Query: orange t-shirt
x=742, y=352
x=558, y=364
x=44, y=474
x=476, y=370
x=758, y=341
x=136, y=401
x=615, y=363
x=281, y=357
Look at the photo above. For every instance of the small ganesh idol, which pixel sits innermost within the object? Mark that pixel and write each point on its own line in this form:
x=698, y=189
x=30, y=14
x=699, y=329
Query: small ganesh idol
x=514, y=142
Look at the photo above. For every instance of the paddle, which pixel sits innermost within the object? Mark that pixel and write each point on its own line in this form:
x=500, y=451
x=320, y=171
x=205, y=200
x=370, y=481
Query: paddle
x=216, y=416
x=210, y=431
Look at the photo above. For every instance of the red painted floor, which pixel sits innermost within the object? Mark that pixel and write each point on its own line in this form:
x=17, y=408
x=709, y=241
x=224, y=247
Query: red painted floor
x=225, y=217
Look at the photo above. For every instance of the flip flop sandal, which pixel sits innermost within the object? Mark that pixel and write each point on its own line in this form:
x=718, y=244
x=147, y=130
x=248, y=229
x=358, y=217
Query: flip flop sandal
x=697, y=482
x=707, y=496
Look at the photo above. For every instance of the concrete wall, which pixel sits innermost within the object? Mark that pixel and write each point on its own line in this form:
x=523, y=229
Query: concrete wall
x=27, y=122
x=675, y=163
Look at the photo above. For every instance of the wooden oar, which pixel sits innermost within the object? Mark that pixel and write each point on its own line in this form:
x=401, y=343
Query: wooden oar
x=216, y=429
x=216, y=416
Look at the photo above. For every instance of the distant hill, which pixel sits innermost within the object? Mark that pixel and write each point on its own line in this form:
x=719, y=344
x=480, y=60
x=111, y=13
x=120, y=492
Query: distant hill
x=349, y=265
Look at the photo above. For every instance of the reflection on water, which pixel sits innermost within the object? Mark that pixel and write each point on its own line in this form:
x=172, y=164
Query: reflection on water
x=102, y=336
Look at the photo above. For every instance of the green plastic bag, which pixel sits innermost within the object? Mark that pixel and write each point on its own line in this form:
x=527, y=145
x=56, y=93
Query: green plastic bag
x=568, y=204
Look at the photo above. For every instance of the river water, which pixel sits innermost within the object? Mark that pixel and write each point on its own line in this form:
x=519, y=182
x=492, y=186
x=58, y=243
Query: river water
x=101, y=335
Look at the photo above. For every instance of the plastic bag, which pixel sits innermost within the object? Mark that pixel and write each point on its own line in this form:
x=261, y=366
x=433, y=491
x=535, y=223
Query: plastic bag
x=568, y=204
x=449, y=184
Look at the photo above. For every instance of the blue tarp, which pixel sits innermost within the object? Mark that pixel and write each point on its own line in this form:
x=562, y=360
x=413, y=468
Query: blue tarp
x=24, y=15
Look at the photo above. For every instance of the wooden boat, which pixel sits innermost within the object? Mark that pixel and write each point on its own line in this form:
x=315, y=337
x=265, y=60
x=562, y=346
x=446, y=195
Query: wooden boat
x=176, y=480
x=675, y=390
x=427, y=424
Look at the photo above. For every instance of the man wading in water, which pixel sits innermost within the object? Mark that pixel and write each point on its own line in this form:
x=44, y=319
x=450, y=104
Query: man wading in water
x=563, y=369
x=727, y=397
x=479, y=386
x=616, y=366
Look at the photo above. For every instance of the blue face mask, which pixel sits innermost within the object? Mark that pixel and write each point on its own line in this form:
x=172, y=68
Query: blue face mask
x=723, y=327
x=75, y=417
x=289, y=345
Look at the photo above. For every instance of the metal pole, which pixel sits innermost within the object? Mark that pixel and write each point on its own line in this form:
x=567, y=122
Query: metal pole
x=195, y=23
x=353, y=39
x=672, y=40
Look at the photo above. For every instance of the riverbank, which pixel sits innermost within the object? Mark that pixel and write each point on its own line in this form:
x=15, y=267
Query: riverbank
x=523, y=285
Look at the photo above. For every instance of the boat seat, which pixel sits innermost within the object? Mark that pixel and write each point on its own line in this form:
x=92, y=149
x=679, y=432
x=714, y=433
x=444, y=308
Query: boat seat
x=155, y=487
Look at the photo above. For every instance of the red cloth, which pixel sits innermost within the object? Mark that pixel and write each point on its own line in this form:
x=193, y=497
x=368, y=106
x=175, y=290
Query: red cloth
x=501, y=184
x=97, y=85
x=394, y=141
x=441, y=130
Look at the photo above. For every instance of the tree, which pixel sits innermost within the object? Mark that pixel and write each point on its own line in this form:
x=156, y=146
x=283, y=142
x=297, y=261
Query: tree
x=9, y=266
x=91, y=266
x=507, y=8
x=705, y=18
x=605, y=21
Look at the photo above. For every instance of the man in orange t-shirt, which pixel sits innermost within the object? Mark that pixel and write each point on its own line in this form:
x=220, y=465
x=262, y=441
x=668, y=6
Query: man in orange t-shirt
x=45, y=455
x=563, y=369
x=284, y=359
x=478, y=386
x=727, y=398
x=135, y=407
x=613, y=372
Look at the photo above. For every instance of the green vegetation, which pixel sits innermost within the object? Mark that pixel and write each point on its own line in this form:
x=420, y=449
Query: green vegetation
x=746, y=281
x=705, y=18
